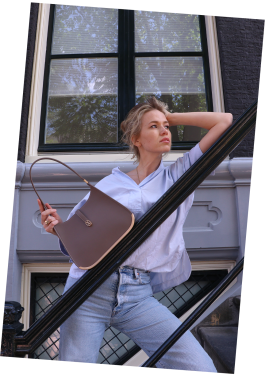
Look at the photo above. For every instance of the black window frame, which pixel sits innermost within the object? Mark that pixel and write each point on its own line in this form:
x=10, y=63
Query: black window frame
x=126, y=79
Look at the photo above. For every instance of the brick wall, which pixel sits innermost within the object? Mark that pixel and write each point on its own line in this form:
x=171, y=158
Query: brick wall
x=32, y=27
x=240, y=47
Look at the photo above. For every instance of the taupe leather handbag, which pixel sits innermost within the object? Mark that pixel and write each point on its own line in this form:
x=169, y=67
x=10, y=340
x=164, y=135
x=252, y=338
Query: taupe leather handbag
x=92, y=232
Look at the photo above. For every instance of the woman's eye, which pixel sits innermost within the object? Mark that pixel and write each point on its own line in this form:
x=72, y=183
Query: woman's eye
x=155, y=126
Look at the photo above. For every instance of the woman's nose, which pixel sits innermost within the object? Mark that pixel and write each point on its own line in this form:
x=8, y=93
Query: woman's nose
x=164, y=130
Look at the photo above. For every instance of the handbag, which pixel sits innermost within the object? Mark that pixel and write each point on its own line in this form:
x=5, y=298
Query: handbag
x=93, y=231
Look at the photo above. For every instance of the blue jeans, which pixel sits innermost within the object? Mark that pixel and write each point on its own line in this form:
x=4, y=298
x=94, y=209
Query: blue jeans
x=125, y=301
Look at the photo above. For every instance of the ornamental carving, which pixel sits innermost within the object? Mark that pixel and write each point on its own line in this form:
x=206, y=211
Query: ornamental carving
x=13, y=312
x=7, y=344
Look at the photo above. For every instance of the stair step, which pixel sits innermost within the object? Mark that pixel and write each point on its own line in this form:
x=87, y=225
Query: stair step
x=237, y=301
x=220, y=344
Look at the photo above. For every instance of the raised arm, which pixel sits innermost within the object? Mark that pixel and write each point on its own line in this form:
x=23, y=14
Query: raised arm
x=216, y=122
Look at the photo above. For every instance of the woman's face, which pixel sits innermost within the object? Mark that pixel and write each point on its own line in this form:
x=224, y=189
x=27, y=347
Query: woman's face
x=155, y=136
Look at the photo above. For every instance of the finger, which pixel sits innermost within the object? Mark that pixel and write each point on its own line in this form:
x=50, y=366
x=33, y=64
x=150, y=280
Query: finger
x=45, y=217
x=50, y=227
x=40, y=205
x=46, y=213
x=49, y=220
x=46, y=221
x=55, y=214
x=43, y=205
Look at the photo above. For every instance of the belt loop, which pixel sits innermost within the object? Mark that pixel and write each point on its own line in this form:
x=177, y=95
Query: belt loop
x=135, y=273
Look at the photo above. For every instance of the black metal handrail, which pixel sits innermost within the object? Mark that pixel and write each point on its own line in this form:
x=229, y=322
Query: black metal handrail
x=31, y=339
x=195, y=315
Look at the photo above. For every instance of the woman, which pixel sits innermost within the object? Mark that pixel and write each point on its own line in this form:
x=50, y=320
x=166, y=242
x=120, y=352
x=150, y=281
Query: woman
x=125, y=300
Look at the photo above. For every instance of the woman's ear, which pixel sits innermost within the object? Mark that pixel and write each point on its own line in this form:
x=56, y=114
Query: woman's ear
x=135, y=141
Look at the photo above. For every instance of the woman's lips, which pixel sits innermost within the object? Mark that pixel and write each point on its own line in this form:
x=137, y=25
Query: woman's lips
x=166, y=140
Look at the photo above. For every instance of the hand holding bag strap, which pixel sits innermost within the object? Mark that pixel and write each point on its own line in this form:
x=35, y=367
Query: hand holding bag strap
x=58, y=161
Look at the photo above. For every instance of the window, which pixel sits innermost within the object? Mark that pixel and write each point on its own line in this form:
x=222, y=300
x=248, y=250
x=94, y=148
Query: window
x=116, y=347
x=101, y=62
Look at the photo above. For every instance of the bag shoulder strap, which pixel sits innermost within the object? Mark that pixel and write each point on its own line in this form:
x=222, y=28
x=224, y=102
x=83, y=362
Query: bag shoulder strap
x=58, y=161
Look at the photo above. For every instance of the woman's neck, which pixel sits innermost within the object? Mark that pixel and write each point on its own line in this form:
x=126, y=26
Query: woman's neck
x=148, y=166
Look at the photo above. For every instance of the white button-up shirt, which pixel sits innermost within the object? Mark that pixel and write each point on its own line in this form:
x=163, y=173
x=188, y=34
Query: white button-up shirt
x=163, y=253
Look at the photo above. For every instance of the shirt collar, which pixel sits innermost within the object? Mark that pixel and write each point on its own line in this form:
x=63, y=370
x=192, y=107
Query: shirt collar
x=118, y=172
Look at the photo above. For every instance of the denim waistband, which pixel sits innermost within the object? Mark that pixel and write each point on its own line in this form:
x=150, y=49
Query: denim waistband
x=134, y=269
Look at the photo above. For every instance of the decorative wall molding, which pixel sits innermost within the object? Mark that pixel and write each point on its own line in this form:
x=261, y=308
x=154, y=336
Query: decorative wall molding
x=54, y=176
x=209, y=226
x=240, y=169
x=36, y=218
x=19, y=174
x=214, y=253
x=42, y=256
x=204, y=236
x=217, y=254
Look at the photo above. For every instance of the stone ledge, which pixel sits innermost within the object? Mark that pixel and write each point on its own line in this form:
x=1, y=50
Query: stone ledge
x=56, y=176
x=237, y=300
x=42, y=256
x=220, y=344
x=226, y=314
x=55, y=256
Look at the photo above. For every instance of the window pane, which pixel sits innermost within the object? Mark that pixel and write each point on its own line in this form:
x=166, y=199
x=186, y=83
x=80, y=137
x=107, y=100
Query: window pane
x=183, y=75
x=82, y=101
x=45, y=291
x=177, y=81
x=85, y=30
x=166, y=32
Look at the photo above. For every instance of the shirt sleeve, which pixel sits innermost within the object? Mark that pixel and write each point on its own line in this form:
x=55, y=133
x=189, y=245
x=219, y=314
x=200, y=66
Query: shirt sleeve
x=79, y=205
x=178, y=168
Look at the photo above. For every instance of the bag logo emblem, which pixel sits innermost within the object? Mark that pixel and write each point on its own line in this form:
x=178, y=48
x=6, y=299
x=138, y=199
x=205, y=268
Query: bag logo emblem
x=88, y=223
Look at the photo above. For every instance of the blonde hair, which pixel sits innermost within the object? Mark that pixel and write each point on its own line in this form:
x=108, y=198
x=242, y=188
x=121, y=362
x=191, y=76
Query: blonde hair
x=131, y=126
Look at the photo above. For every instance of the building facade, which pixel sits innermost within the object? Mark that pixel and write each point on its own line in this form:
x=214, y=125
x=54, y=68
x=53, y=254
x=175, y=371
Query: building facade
x=214, y=65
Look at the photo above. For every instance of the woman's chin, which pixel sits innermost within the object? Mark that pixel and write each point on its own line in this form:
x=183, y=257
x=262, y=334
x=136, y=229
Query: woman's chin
x=166, y=147
x=164, y=150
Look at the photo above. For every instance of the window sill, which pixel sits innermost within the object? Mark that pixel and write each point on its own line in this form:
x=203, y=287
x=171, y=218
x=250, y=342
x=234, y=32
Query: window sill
x=100, y=157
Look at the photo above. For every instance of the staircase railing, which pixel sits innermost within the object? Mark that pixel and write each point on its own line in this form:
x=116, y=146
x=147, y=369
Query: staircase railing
x=28, y=341
x=195, y=315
